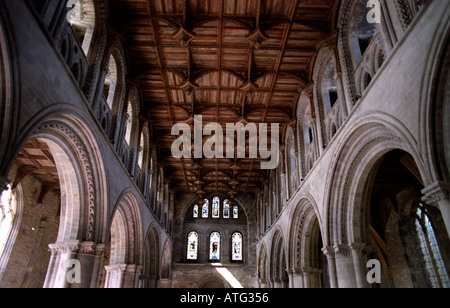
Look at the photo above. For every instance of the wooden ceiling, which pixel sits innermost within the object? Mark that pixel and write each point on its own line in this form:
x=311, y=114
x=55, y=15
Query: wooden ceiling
x=227, y=60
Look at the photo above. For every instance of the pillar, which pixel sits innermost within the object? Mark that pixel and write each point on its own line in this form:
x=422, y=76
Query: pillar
x=291, y=278
x=306, y=277
x=438, y=195
x=298, y=279
x=88, y=254
x=358, y=261
x=345, y=268
x=330, y=254
x=122, y=276
x=115, y=276
x=61, y=254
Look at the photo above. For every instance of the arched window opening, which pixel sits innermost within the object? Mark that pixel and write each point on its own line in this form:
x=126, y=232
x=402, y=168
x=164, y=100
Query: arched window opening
x=141, y=151
x=329, y=87
x=82, y=21
x=406, y=234
x=216, y=208
x=362, y=31
x=109, y=88
x=235, y=212
x=309, y=138
x=237, y=247
x=434, y=265
x=195, y=214
x=129, y=123
x=307, y=127
x=205, y=208
x=226, y=209
x=192, y=250
x=214, y=247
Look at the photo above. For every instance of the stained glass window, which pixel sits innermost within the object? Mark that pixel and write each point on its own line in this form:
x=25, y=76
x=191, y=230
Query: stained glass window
x=216, y=208
x=205, y=208
x=196, y=211
x=434, y=265
x=192, y=249
x=237, y=247
x=214, y=247
x=235, y=212
x=226, y=209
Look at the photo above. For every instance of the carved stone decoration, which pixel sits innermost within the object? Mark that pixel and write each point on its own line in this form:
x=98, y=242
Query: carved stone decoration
x=86, y=170
x=358, y=154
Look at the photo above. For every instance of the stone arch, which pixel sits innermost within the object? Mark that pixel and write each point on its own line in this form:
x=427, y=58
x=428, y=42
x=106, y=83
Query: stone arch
x=376, y=135
x=435, y=107
x=127, y=210
x=306, y=127
x=83, y=22
x=114, y=62
x=263, y=267
x=8, y=106
x=126, y=244
x=326, y=92
x=151, y=264
x=166, y=262
x=359, y=43
x=131, y=122
x=291, y=163
x=81, y=181
x=82, y=176
x=278, y=261
x=305, y=256
x=303, y=217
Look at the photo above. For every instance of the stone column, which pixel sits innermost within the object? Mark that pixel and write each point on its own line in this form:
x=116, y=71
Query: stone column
x=61, y=254
x=297, y=278
x=345, y=268
x=438, y=195
x=115, y=276
x=316, y=278
x=358, y=261
x=306, y=277
x=97, y=264
x=291, y=278
x=330, y=254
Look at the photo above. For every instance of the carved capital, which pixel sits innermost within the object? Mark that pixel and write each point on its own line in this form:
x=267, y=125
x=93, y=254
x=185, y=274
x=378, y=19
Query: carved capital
x=357, y=246
x=61, y=247
x=116, y=268
x=328, y=251
x=342, y=250
x=87, y=248
x=436, y=192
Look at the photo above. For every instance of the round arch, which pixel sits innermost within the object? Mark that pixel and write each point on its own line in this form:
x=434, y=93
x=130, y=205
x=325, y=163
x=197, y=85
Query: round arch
x=435, y=107
x=263, y=267
x=376, y=135
x=151, y=265
x=126, y=245
x=278, y=261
